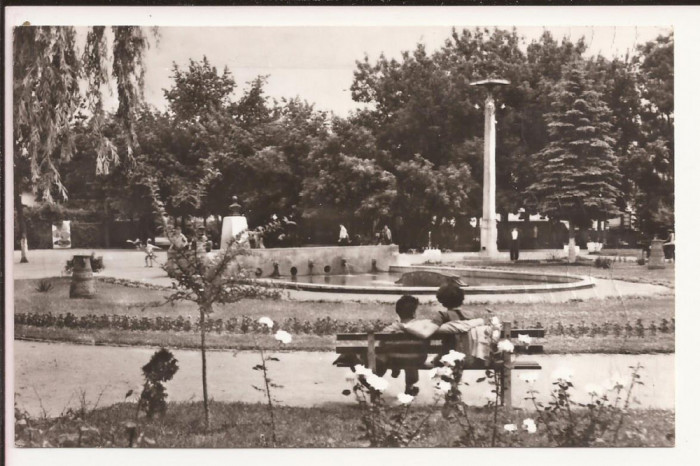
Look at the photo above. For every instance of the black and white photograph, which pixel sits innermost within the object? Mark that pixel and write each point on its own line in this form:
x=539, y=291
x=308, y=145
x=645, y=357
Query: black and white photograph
x=448, y=234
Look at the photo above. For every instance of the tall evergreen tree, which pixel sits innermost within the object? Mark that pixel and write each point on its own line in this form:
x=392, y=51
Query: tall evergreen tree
x=578, y=176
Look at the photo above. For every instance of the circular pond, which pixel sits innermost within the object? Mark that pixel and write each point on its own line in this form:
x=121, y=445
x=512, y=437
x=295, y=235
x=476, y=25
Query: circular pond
x=471, y=279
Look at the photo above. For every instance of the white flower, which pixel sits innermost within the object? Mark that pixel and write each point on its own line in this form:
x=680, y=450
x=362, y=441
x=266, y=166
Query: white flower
x=443, y=387
x=451, y=357
x=362, y=370
x=528, y=377
x=377, y=382
x=615, y=381
x=563, y=374
x=283, y=336
x=266, y=321
x=505, y=346
x=593, y=389
x=439, y=372
x=404, y=398
x=496, y=322
x=510, y=427
x=530, y=426
x=527, y=339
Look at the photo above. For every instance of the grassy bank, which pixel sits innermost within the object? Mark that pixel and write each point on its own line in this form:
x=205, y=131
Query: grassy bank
x=623, y=315
x=119, y=299
x=239, y=425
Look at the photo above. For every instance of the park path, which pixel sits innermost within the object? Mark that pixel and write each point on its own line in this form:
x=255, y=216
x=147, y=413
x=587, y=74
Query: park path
x=129, y=264
x=53, y=375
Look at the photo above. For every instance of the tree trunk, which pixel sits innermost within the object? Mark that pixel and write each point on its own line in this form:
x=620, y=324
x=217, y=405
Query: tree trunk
x=572, y=242
x=21, y=222
x=203, y=348
x=106, y=225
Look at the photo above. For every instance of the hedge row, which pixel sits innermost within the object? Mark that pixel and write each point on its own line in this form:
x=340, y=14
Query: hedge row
x=325, y=326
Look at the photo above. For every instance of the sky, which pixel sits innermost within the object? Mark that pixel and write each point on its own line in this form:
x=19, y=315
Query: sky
x=317, y=63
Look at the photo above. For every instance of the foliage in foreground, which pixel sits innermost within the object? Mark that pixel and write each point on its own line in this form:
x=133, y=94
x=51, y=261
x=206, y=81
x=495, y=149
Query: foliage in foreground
x=566, y=420
x=241, y=425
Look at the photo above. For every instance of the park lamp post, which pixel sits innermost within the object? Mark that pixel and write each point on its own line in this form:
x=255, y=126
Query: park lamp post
x=489, y=232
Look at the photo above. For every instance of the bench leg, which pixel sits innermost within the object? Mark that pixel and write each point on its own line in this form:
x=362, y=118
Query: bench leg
x=371, y=355
x=506, y=397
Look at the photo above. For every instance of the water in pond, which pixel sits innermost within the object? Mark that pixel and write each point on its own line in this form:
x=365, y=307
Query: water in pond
x=389, y=279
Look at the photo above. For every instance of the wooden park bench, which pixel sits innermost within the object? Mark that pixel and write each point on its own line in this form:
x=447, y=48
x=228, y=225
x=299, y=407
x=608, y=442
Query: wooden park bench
x=364, y=347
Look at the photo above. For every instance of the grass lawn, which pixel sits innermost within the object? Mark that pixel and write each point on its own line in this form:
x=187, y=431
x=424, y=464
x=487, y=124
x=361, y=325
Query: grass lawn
x=239, y=425
x=139, y=302
x=119, y=299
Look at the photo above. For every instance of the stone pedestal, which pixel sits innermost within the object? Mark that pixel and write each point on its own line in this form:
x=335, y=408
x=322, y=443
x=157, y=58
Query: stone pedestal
x=489, y=232
x=83, y=282
x=232, y=227
x=656, y=255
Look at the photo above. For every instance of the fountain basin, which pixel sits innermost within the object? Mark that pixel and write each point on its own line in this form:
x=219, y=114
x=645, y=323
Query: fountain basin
x=478, y=281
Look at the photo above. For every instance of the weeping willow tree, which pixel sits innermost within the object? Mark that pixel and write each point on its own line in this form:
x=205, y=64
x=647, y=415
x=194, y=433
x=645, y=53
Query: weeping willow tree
x=48, y=70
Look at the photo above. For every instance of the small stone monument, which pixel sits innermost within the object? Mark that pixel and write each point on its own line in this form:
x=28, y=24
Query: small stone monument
x=656, y=254
x=235, y=225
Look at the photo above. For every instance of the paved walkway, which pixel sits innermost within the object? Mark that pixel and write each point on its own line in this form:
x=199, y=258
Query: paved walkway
x=129, y=264
x=54, y=374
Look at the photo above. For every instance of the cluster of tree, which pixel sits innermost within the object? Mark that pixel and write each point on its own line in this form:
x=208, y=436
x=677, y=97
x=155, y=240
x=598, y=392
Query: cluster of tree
x=578, y=138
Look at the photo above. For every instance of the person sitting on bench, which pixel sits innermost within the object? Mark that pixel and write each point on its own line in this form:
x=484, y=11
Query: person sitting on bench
x=451, y=297
x=406, y=310
x=455, y=320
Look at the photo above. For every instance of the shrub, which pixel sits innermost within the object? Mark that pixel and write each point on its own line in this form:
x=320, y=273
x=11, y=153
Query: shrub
x=320, y=326
x=161, y=368
x=602, y=263
x=44, y=286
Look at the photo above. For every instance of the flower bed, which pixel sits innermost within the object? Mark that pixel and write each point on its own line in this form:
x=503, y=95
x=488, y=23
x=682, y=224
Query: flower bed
x=321, y=326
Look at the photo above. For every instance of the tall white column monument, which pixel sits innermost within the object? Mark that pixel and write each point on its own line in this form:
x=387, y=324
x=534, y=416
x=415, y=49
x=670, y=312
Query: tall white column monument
x=489, y=233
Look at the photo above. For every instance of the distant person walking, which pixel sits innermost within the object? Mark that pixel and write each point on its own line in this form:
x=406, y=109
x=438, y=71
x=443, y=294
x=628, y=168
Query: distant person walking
x=150, y=253
x=386, y=235
x=514, y=245
x=670, y=246
x=343, y=237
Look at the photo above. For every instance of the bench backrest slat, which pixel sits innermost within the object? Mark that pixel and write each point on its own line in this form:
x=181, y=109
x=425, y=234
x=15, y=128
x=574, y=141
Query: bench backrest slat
x=383, y=337
x=406, y=348
x=533, y=332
